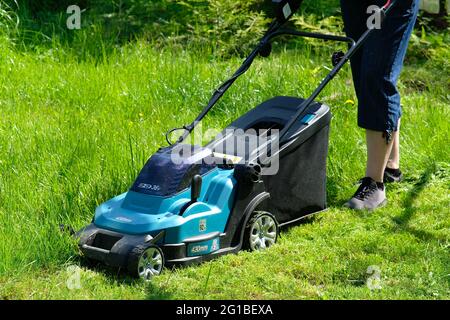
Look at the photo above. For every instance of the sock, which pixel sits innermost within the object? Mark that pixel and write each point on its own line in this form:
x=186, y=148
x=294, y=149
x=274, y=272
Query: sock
x=394, y=172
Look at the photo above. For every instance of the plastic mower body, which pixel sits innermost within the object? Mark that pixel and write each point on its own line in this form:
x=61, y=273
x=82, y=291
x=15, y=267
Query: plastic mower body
x=194, y=203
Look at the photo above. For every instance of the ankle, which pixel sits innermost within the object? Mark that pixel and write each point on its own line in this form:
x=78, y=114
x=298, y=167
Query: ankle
x=375, y=178
x=394, y=165
x=380, y=184
x=393, y=171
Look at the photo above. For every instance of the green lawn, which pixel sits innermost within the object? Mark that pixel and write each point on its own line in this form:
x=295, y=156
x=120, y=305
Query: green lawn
x=75, y=133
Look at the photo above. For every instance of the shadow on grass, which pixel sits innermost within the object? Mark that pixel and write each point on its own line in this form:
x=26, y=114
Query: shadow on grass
x=305, y=221
x=409, y=210
x=333, y=192
x=153, y=290
x=112, y=274
x=408, y=204
x=159, y=291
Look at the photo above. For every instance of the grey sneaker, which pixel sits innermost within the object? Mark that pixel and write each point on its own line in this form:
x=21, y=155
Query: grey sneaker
x=370, y=195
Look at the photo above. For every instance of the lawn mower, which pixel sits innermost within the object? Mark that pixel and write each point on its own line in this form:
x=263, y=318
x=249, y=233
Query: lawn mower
x=193, y=203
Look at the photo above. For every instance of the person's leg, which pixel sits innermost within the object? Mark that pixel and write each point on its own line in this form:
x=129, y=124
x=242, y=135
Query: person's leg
x=355, y=24
x=380, y=74
x=377, y=154
x=394, y=157
x=392, y=172
x=379, y=100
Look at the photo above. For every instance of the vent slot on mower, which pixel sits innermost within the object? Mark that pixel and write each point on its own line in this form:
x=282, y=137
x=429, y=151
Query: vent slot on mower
x=105, y=241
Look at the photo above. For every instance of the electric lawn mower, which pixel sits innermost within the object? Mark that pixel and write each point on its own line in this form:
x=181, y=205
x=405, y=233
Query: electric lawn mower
x=194, y=203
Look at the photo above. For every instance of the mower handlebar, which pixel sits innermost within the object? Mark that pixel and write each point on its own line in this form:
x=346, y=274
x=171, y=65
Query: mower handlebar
x=289, y=8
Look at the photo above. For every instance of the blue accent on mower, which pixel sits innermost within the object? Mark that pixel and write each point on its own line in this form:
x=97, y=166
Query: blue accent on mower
x=192, y=203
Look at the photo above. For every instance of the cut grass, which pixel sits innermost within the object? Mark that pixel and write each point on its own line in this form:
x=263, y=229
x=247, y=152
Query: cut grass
x=73, y=134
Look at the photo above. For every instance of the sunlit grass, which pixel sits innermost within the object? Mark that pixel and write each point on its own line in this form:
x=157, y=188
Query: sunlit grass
x=73, y=134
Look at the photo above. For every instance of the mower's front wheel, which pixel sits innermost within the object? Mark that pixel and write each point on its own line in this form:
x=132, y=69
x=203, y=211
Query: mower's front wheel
x=261, y=231
x=146, y=261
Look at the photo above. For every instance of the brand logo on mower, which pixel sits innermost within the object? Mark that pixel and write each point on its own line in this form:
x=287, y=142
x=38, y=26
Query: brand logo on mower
x=153, y=187
x=123, y=219
x=198, y=249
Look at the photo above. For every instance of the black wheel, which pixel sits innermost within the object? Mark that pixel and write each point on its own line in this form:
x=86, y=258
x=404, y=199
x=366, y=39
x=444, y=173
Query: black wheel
x=146, y=261
x=261, y=231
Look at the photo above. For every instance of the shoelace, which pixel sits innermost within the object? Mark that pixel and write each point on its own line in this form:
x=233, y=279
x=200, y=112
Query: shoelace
x=364, y=192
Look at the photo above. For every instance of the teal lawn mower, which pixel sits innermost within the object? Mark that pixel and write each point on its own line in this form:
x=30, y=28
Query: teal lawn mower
x=194, y=203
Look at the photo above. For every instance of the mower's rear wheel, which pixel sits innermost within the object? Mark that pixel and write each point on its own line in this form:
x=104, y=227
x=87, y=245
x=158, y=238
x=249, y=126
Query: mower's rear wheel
x=261, y=231
x=146, y=261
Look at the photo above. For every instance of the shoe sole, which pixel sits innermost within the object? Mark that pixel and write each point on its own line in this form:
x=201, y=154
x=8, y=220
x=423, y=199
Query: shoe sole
x=381, y=205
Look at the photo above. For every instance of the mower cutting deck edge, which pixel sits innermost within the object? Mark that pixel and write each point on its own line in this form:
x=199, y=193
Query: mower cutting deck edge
x=192, y=203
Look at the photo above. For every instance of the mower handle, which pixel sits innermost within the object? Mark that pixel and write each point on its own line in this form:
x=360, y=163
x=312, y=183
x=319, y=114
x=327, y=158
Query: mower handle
x=353, y=49
x=272, y=32
x=219, y=92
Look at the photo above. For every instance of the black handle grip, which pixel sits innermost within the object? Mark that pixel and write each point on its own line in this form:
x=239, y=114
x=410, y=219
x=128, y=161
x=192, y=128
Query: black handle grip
x=196, y=187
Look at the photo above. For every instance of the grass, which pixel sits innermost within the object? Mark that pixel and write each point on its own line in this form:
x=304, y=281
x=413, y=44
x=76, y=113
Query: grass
x=75, y=132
